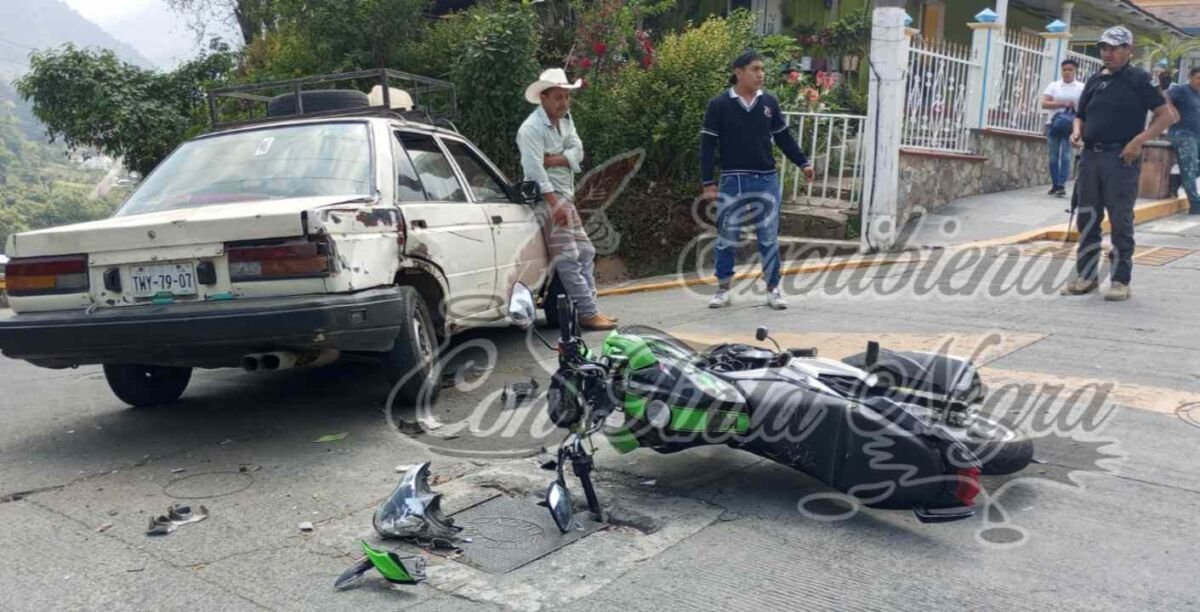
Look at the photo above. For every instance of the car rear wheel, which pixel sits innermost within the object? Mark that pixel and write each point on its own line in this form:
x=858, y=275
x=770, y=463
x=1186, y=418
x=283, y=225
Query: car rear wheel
x=413, y=361
x=146, y=385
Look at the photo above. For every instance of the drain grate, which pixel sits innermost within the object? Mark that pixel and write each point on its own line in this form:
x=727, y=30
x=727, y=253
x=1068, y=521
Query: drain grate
x=508, y=533
x=1142, y=255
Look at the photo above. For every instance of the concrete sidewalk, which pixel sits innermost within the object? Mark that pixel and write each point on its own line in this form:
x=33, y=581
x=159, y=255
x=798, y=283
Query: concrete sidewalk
x=1020, y=215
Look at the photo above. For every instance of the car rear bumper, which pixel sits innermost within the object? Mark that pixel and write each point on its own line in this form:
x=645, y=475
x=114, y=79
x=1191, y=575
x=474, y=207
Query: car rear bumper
x=207, y=334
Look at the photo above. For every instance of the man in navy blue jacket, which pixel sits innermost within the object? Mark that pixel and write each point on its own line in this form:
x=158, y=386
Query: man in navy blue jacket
x=740, y=126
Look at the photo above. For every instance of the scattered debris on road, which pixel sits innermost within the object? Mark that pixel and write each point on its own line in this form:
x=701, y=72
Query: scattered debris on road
x=332, y=437
x=177, y=514
x=104, y=527
x=306, y=526
x=516, y=394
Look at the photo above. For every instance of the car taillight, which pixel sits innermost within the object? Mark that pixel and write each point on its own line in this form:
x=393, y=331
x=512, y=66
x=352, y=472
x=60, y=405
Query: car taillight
x=968, y=486
x=279, y=259
x=47, y=275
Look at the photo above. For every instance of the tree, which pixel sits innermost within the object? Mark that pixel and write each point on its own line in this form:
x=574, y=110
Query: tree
x=91, y=98
x=254, y=18
x=327, y=36
x=1170, y=48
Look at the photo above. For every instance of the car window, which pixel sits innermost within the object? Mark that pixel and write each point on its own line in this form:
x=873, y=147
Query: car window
x=434, y=169
x=408, y=187
x=321, y=159
x=484, y=183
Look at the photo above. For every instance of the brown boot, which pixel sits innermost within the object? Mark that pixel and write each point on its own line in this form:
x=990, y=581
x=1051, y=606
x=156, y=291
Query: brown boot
x=1079, y=286
x=597, y=322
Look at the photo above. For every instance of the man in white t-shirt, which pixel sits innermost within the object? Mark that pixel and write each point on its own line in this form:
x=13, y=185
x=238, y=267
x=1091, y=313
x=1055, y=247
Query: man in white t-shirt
x=1061, y=97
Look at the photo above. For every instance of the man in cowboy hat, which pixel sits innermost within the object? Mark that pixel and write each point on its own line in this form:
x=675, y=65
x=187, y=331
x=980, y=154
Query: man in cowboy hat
x=1110, y=124
x=551, y=153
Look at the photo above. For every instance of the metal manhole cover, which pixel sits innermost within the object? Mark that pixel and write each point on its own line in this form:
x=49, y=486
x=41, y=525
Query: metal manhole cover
x=507, y=533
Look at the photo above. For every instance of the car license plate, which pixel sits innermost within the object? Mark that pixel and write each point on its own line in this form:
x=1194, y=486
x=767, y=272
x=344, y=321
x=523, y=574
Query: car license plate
x=175, y=279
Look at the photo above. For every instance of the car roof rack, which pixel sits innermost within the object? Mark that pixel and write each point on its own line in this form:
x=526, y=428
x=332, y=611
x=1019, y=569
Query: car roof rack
x=251, y=101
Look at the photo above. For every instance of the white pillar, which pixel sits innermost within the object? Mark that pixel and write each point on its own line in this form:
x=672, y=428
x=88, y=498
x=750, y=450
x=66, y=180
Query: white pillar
x=987, y=53
x=1068, y=9
x=1002, y=11
x=885, y=121
x=1056, y=46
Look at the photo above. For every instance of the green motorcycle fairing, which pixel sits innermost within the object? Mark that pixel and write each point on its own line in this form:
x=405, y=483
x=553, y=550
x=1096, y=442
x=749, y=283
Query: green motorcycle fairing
x=660, y=368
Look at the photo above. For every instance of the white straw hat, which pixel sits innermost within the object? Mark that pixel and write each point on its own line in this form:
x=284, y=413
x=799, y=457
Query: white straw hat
x=554, y=77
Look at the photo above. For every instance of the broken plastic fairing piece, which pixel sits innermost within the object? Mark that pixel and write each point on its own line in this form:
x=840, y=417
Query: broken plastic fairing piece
x=413, y=510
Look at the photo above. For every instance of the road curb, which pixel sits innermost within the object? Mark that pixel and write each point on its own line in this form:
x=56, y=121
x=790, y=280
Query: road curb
x=1147, y=212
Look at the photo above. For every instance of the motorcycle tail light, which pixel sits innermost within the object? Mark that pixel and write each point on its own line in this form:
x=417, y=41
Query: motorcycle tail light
x=47, y=275
x=968, y=486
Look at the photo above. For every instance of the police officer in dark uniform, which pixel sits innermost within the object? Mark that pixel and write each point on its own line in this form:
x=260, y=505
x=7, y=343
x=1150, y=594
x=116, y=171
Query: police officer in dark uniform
x=1109, y=125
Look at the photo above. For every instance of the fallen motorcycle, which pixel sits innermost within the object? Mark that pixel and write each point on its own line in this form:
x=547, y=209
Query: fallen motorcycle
x=892, y=429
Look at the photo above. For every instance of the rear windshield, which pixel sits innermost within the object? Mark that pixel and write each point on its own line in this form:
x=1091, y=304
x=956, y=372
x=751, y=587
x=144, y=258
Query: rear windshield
x=324, y=159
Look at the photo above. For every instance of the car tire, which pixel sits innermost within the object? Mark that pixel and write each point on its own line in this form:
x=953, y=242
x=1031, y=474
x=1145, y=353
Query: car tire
x=317, y=101
x=146, y=385
x=412, y=363
x=550, y=300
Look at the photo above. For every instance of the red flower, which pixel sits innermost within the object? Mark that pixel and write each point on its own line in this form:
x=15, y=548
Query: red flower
x=585, y=63
x=792, y=77
x=825, y=80
x=647, y=61
x=599, y=48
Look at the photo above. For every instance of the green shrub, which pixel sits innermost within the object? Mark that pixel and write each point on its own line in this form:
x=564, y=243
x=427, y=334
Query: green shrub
x=497, y=61
x=660, y=109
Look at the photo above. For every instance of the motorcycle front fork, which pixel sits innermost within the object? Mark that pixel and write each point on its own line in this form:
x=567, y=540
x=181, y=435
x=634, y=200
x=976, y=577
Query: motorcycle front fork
x=582, y=464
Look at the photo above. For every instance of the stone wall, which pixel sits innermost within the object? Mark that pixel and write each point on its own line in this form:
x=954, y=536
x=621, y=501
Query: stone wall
x=1014, y=161
x=1002, y=161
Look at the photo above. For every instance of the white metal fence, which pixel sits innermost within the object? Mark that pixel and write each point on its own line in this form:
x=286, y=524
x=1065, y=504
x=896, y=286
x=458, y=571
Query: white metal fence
x=834, y=144
x=936, y=98
x=1016, y=104
x=1088, y=65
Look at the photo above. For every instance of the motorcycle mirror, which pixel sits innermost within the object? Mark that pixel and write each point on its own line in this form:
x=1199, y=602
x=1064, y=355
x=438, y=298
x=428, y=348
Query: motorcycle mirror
x=761, y=333
x=520, y=306
x=558, y=499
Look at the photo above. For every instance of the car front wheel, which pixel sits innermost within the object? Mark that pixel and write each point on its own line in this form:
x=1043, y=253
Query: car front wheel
x=146, y=385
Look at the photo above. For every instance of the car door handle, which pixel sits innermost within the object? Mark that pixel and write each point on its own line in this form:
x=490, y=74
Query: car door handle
x=497, y=219
x=418, y=224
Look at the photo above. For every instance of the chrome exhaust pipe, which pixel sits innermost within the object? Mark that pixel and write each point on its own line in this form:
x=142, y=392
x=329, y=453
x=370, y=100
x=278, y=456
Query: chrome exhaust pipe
x=278, y=360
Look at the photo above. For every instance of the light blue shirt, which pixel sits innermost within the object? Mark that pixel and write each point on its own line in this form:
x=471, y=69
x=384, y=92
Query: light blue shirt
x=538, y=138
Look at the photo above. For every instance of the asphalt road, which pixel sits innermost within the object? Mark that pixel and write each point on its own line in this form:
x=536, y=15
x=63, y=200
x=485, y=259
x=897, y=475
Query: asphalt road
x=1107, y=522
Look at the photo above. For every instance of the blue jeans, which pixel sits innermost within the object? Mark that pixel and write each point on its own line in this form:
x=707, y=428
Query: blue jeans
x=749, y=199
x=1060, y=159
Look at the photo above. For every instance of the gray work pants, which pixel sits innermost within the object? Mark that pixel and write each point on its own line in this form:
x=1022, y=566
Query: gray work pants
x=572, y=256
x=1106, y=184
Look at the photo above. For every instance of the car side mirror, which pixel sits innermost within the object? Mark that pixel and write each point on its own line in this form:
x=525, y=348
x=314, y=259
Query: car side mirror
x=528, y=192
x=521, y=308
x=558, y=500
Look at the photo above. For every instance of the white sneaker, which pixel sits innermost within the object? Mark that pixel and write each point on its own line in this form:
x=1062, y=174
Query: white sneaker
x=721, y=299
x=775, y=299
